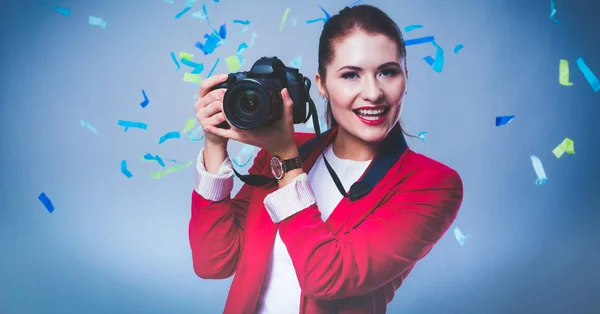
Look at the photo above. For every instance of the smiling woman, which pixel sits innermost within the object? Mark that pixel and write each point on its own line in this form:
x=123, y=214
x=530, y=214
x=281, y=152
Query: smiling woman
x=302, y=245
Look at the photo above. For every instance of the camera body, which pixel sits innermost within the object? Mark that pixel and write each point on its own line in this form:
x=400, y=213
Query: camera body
x=253, y=99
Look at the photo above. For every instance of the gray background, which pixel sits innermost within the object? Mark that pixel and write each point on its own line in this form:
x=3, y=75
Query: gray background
x=119, y=245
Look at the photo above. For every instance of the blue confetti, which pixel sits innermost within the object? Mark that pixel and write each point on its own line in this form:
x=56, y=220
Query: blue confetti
x=184, y=11
x=502, y=120
x=588, y=74
x=210, y=43
x=88, y=126
x=198, y=67
x=157, y=158
x=553, y=12
x=412, y=27
x=47, y=202
x=168, y=136
x=174, y=58
x=213, y=68
x=245, y=22
x=421, y=40
x=62, y=11
x=422, y=136
x=437, y=64
x=124, y=169
x=296, y=62
x=223, y=31
x=242, y=46
x=458, y=48
x=145, y=102
x=131, y=124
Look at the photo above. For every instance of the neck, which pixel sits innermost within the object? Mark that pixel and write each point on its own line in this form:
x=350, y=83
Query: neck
x=348, y=146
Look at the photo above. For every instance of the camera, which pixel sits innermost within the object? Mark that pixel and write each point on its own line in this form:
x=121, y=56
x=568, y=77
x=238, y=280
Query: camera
x=253, y=99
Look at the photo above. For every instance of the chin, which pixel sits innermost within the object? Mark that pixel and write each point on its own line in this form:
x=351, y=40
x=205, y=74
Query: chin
x=371, y=134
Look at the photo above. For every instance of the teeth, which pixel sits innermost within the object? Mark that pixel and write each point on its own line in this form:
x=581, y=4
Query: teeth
x=370, y=112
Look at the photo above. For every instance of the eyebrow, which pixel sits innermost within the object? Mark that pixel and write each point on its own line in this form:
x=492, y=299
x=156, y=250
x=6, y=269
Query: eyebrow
x=385, y=65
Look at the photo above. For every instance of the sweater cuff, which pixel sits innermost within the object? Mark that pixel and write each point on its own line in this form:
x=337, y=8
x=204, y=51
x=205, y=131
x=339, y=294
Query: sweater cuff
x=213, y=187
x=290, y=199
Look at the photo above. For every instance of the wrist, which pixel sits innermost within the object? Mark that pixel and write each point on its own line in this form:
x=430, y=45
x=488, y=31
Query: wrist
x=288, y=153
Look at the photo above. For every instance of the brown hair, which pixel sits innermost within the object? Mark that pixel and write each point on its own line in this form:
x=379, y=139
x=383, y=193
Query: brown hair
x=362, y=17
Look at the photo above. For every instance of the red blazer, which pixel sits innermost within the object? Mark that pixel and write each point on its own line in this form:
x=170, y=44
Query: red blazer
x=353, y=262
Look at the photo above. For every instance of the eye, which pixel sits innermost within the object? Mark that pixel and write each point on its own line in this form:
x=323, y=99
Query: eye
x=389, y=72
x=350, y=75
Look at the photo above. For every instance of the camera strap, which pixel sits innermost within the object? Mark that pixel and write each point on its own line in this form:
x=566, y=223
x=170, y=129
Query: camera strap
x=391, y=149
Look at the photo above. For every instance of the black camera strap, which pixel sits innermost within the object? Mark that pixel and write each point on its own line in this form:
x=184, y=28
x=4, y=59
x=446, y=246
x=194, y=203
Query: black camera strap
x=385, y=159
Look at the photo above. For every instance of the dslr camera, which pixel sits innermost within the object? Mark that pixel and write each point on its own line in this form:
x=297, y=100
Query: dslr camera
x=253, y=99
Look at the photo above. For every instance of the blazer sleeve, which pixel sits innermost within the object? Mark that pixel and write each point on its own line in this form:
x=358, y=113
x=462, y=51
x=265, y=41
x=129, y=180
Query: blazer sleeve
x=217, y=223
x=397, y=234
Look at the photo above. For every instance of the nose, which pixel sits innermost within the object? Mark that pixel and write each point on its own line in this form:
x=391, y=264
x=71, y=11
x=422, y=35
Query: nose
x=372, y=91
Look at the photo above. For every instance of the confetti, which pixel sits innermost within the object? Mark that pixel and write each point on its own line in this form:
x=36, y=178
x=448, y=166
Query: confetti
x=294, y=20
x=186, y=56
x=213, y=68
x=124, y=169
x=184, y=11
x=198, y=67
x=192, y=135
x=243, y=46
x=502, y=120
x=168, y=136
x=131, y=124
x=566, y=146
x=192, y=78
x=296, y=62
x=422, y=136
x=223, y=31
x=245, y=23
x=88, y=126
x=158, y=175
x=244, y=156
x=170, y=1
x=285, y=14
x=189, y=3
x=210, y=44
x=96, y=21
x=539, y=170
x=175, y=60
x=189, y=125
x=420, y=40
x=159, y=160
x=412, y=27
x=233, y=63
x=145, y=102
x=458, y=48
x=587, y=73
x=563, y=73
x=327, y=17
x=62, y=11
x=553, y=12
x=436, y=64
x=46, y=202
x=460, y=237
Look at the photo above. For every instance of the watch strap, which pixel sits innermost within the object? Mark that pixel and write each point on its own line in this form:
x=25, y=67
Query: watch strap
x=292, y=163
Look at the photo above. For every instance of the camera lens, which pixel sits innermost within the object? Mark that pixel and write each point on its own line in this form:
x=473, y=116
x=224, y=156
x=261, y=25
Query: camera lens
x=248, y=102
x=252, y=103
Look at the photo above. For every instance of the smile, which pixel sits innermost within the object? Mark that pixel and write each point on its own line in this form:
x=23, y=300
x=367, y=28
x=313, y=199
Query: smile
x=372, y=116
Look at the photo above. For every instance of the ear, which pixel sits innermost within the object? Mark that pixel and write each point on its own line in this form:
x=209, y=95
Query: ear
x=320, y=85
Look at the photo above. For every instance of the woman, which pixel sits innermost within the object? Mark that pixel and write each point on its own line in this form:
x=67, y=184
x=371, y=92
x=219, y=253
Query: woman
x=298, y=246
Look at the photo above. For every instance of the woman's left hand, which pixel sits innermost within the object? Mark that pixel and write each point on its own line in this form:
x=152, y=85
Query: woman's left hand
x=276, y=138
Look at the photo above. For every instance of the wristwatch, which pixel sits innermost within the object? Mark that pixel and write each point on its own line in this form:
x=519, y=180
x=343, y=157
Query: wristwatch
x=280, y=167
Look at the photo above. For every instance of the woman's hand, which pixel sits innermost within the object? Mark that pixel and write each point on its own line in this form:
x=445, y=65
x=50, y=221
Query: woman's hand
x=276, y=138
x=209, y=109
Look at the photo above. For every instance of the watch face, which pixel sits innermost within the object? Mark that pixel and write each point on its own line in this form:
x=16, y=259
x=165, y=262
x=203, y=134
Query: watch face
x=276, y=168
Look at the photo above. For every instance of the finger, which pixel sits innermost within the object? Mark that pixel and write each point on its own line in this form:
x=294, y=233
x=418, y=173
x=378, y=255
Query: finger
x=288, y=104
x=209, y=110
x=210, y=82
x=214, y=95
x=215, y=119
x=227, y=133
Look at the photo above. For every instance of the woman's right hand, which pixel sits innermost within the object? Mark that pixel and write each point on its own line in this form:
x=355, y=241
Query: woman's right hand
x=209, y=108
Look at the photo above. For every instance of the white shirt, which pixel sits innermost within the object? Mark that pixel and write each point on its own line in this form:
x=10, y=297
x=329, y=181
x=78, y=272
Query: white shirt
x=281, y=290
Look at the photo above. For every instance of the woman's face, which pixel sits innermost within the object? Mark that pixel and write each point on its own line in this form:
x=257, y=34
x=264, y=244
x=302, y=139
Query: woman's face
x=365, y=83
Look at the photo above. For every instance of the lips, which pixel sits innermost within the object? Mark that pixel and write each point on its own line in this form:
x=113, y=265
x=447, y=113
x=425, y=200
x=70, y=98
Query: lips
x=372, y=115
